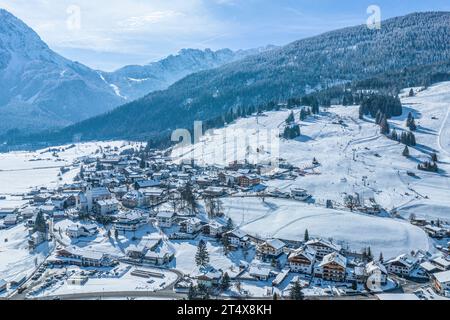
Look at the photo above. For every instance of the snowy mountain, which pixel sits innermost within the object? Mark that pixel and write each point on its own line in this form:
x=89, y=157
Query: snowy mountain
x=338, y=57
x=136, y=81
x=41, y=89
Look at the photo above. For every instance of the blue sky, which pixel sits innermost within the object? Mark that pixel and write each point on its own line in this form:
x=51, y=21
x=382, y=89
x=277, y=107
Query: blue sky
x=107, y=34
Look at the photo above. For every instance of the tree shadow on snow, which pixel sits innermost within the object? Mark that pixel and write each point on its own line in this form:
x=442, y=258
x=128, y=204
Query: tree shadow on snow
x=424, y=130
x=303, y=138
x=406, y=110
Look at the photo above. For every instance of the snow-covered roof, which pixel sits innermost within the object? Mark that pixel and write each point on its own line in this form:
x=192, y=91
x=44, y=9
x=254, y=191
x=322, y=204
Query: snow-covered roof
x=165, y=214
x=99, y=192
x=404, y=259
x=237, y=233
x=107, y=202
x=442, y=277
x=373, y=266
x=397, y=296
x=94, y=255
x=428, y=266
x=259, y=271
x=442, y=262
x=323, y=243
x=211, y=274
x=194, y=221
x=276, y=244
x=308, y=252
x=336, y=258
x=129, y=215
x=152, y=191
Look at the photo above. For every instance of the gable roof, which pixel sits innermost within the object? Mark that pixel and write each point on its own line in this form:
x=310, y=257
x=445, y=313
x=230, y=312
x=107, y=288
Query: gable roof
x=336, y=258
x=372, y=266
x=323, y=243
x=405, y=259
x=307, y=252
x=276, y=244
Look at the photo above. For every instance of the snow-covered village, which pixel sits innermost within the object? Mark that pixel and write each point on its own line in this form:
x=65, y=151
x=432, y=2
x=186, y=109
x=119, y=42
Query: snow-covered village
x=344, y=209
x=225, y=158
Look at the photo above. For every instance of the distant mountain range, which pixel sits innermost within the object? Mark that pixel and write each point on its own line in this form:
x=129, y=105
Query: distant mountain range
x=41, y=89
x=132, y=82
x=342, y=56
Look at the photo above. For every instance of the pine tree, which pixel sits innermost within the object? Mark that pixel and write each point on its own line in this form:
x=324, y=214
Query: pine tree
x=192, y=294
x=291, y=118
x=410, y=117
x=296, y=291
x=225, y=244
x=361, y=113
x=142, y=163
x=229, y=225
x=411, y=124
x=315, y=107
x=303, y=114
x=116, y=234
x=394, y=135
x=306, y=238
x=384, y=126
x=434, y=157
x=381, y=258
x=226, y=281
x=406, y=152
x=40, y=224
x=369, y=254
x=81, y=172
x=187, y=195
x=378, y=117
x=202, y=255
x=411, y=92
x=203, y=292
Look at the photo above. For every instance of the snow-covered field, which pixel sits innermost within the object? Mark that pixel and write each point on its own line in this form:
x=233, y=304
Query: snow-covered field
x=22, y=171
x=288, y=219
x=15, y=258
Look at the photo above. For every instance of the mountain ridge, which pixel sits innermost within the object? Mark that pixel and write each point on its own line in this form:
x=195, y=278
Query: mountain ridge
x=43, y=90
x=136, y=81
x=312, y=64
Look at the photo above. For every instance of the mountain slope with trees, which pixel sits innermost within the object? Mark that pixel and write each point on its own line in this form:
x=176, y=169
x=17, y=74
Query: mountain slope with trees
x=334, y=58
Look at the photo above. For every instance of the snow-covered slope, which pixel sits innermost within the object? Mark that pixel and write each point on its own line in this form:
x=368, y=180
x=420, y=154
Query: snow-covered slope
x=354, y=157
x=15, y=257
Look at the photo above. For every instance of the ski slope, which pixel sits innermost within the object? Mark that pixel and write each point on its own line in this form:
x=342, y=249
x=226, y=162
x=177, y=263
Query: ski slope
x=354, y=158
